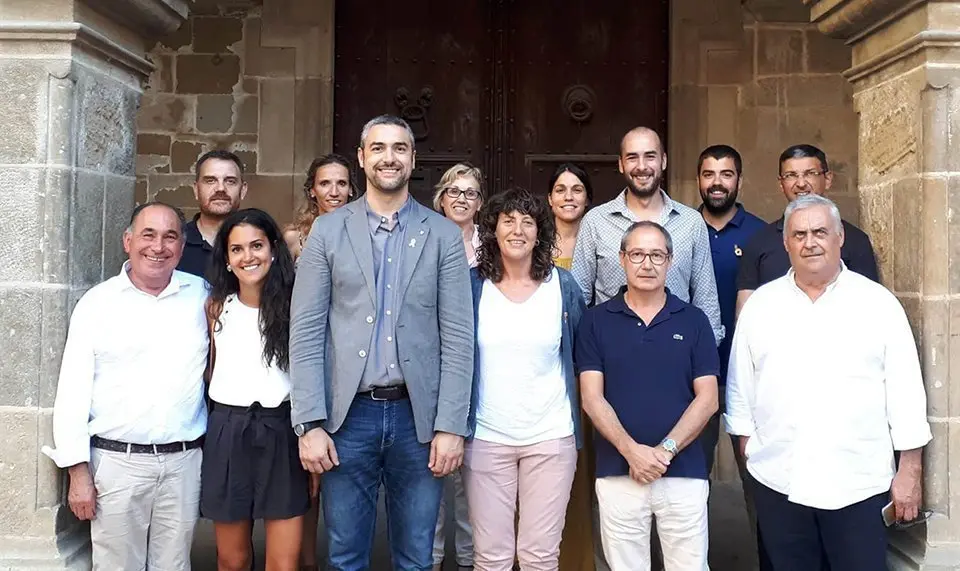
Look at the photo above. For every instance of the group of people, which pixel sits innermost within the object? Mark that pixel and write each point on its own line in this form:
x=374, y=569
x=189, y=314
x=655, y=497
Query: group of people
x=542, y=358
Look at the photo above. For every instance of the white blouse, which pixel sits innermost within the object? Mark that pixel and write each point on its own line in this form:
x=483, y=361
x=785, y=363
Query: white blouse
x=240, y=376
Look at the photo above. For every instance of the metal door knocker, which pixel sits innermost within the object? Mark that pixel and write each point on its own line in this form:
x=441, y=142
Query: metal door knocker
x=415, y=112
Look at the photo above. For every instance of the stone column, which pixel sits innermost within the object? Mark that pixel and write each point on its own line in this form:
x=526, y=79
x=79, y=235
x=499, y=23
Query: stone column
x=906, y=78
x=70, y=83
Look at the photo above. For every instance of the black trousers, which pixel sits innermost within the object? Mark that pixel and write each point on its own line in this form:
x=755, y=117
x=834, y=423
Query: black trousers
x=801, y=538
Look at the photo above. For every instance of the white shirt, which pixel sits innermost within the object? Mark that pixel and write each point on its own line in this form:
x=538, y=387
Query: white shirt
x=240, y=376
x=825, y=390
x=523, y=394
x=132, y=367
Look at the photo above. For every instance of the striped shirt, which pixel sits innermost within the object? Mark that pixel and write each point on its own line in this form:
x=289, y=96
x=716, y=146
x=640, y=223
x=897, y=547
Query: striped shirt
x=596, y=256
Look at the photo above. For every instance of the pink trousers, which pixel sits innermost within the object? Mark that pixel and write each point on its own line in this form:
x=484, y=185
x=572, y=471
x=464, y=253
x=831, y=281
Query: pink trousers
x=536, y=477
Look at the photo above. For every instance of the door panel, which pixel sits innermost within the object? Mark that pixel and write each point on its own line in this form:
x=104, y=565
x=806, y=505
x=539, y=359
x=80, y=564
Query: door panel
x=514, y=86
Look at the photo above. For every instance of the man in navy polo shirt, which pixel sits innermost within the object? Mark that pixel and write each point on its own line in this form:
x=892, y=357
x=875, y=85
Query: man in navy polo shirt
x=648, y=376
x=730, y=227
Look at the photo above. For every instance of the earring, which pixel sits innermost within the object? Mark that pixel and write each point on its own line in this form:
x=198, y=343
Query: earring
x=272, y=258
x=537, y=243
x=229, y=269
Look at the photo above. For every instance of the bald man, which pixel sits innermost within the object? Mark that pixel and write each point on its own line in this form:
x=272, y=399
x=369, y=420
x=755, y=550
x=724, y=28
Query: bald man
x=596, y=261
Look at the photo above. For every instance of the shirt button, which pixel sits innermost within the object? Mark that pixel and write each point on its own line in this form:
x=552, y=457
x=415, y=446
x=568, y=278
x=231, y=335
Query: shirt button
x=362, y=353
x=639, y=324
x=390, y=339
x=392, y=366
x=388, y=286
x=369, y=319
x=389, y=260
x=388, y=312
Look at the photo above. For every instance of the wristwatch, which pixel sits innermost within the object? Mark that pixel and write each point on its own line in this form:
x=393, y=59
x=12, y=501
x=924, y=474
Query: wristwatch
x=305, y=427
x=670, y=445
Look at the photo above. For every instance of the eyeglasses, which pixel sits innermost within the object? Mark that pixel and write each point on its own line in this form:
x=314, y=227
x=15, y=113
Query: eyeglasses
x=638, y=256
x=455, y=193
x=922, y=517
x=793, y=177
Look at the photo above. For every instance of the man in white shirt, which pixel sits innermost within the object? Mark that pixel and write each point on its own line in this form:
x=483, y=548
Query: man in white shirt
x=130, y=416
x=824, y=384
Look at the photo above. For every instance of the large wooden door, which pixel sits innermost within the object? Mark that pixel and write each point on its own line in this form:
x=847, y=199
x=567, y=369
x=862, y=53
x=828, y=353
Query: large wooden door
x=514, y=86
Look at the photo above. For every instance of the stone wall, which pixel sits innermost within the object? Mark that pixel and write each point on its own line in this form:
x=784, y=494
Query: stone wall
x=251, y=77
x=71, y=81
x=757, y=75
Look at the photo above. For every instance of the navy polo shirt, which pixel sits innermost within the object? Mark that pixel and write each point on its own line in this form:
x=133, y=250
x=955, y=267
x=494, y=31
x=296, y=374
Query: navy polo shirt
x=726, y=246
x=648, y=373
x=196, y=251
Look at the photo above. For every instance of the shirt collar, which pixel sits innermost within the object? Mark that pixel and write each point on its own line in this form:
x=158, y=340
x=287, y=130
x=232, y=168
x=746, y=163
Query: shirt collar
x=738, y=217
x=841, y=277
x=175, y=285
x=191, y=233
x=618, y=303
x=620, y=205
x=400, y=216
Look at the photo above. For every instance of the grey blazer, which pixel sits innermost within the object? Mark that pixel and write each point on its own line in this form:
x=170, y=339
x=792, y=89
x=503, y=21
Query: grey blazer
x=331, y=320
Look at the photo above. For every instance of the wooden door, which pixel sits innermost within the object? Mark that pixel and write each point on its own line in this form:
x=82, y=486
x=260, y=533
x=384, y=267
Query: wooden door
x=513, y=86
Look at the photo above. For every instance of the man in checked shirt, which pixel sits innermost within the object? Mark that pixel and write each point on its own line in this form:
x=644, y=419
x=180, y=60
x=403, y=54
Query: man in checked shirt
x=596, y=264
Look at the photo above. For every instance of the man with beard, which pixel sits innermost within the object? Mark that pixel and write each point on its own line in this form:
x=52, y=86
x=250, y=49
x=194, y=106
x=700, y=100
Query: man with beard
x=730, y=227
x=381, y=357
x=219, y=187
x=803, y=171
x=596, y=257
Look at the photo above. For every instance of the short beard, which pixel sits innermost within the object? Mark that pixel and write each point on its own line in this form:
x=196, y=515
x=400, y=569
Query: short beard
x=392, y=186
x=718, y=208
x=644, y=193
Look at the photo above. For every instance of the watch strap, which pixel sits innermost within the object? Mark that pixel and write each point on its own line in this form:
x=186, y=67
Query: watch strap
x=306, y=427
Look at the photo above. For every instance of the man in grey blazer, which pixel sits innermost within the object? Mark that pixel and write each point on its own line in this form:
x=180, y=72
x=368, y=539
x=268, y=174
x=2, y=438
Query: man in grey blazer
x=381, y=357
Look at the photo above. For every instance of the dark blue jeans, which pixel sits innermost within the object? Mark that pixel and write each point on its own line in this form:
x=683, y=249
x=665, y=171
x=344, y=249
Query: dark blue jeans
x=377, y=444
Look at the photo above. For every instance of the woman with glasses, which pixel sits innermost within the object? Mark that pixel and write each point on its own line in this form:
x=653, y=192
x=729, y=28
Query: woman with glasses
x=329, y=186
x=570, y=194
x=525, y=409
x=459, y=196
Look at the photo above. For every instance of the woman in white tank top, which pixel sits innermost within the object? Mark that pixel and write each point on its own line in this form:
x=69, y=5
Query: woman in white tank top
x=251, y=464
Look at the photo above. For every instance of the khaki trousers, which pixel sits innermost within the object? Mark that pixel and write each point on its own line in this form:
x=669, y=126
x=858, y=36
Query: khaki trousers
x=147, y=507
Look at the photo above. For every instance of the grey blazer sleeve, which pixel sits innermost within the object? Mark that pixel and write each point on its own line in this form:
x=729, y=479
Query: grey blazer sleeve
x=455, y=314
x=308, y=332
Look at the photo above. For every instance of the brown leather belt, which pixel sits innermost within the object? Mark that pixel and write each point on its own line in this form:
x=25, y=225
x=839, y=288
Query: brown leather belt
x=117, y=446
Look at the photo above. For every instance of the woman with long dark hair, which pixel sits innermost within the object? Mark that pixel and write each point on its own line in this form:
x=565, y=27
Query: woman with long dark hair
x=251, y=465
x=328, y=186
x=525, y=409
x=570, y=194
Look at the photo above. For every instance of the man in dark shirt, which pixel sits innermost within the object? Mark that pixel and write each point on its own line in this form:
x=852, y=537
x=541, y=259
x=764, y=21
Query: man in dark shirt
x=649, y=462
x=218, y=188
x=803, y=170
x=730, y=227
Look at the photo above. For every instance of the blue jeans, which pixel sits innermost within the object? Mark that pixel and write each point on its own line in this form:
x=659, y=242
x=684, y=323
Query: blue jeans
x=378, y=444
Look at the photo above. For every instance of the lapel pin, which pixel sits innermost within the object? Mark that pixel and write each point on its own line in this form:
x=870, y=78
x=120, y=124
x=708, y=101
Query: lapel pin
x=421, y=232
x=737, y=251
x=413, y=242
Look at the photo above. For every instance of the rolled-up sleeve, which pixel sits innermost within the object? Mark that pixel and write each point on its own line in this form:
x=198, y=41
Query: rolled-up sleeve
x=71, y=408
x=741, y=379
x=906, y=397
x=308, y=331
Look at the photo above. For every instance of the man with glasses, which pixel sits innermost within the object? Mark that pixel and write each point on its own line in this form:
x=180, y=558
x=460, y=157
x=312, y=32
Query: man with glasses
x=803, y=171
x=595, y=257
x=649, y=463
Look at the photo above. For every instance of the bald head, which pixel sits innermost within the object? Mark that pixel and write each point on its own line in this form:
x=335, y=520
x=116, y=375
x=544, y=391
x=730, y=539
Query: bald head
x=645, y=133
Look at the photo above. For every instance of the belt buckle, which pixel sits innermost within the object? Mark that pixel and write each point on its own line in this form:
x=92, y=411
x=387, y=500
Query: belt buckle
x=373, y=395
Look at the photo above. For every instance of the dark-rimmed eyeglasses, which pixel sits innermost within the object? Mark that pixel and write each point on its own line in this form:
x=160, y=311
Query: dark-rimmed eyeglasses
x=792, y=177
x=638, y=256
x=455, y=193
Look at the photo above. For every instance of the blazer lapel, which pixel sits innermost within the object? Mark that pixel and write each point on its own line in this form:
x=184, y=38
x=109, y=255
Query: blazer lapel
x=358, y=231
x=414, y=238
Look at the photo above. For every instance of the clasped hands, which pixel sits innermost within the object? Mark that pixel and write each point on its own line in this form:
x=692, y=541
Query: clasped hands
x=647, y=463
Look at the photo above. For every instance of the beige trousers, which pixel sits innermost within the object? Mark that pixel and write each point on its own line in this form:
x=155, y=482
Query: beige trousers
x=147, y=507
x=626, y=512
